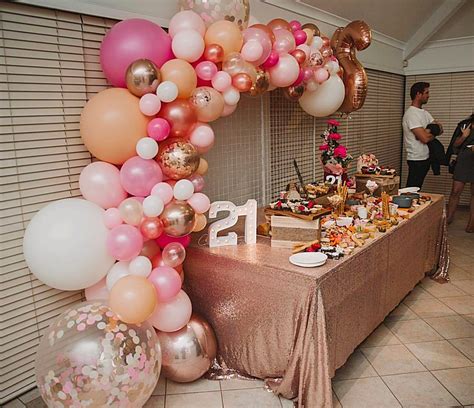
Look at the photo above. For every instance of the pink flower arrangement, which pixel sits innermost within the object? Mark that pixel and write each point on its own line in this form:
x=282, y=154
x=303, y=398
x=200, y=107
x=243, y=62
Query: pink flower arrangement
x=335, y=136
x=324, y=147
x=334, y=155
x=333, y=123
x=340, y=151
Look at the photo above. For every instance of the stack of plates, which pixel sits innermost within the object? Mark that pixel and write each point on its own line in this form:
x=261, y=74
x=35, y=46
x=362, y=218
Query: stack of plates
x=308, y=259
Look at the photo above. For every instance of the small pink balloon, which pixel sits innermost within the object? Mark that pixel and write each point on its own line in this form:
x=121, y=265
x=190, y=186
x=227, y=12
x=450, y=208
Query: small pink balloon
x=272, y=60
x=300, y=78
x=252, y=51
x=164, y=240
x=295, y=25
x=300, y=37
x=228, y=110
x=308, y=74
x=221, y=81
x=172, y=315
x=112, y=218
x=321, y=75
x=98, y=291
x=158, y=129
x=124, y=242
x=166, y=281
x=206, y=70
x=202, y=136
x=198, y=182
x=149, y=104
x=262, y=37
x=200, y=202
x=138, y=176
x=284, y=41
x=164, y=191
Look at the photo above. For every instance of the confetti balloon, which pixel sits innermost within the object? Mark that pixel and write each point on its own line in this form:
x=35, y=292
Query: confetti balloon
x=88, y=357
x=177, y=158
x=236, y=11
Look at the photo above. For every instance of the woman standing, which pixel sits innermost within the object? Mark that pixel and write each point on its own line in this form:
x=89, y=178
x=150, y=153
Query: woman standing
x=462, y=143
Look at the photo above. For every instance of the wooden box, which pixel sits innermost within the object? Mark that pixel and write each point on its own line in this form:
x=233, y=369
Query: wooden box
x=389, y=184
x=287, y=231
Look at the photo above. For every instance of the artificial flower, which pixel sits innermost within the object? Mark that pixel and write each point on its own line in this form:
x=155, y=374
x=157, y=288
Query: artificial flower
x=333, y=122
x=340, y=151
x=324, y=147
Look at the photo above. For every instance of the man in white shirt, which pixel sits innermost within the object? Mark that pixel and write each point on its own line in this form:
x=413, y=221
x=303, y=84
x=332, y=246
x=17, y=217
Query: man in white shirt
x=415, y=135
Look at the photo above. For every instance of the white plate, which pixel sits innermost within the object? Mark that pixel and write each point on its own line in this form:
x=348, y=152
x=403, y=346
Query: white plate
x=308, y=259
x=409, y=190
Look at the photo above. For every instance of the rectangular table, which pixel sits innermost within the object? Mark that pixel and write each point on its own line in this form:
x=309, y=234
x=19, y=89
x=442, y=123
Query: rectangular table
x=295, y=326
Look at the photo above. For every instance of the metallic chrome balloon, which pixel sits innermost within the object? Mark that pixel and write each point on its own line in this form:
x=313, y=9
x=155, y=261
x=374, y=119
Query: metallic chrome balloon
x=261, y=84
x=142, y=77
x=177, y=158
x=178, y=218
x=293, y=93
x=313, y=27
x=188, y=353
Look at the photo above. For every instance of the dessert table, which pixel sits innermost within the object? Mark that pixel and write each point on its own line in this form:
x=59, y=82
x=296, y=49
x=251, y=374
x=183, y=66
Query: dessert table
x=295, y=326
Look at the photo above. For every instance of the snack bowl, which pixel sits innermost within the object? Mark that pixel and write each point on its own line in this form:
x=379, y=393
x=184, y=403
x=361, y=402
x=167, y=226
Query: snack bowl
x=402, y=201
x=344, y=221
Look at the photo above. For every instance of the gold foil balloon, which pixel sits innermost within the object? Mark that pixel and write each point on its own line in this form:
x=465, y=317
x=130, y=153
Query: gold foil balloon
x=142, y=77
x=344, y=42
x=88, y=354
x=293, y=93
x=208, y=103
x=178, y=218
x=313, y=28
x=177, y=158
x=261, y=84
x=188, y=353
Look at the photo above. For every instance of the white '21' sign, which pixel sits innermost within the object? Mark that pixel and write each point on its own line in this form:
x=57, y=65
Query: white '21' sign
x=249, y=210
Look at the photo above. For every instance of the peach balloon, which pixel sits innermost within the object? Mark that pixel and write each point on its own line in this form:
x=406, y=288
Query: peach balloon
x=133, y=299
x=225, y=34
x=181, y=116
x=203, y=166
x=200, y=223
x=112, y=124
x=208, y=103
x=182, y=74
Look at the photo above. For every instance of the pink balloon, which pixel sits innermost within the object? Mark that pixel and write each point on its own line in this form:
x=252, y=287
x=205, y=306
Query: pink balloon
x=272, y=60
x=173, y=315
x=284, y=41
x=149, y=104
x=228, y=110
x=295, y=25
x=138, y=176
x=166, y=281
x=285, y=72
x=98, y=291
x=186, y=20
x=202, y=136
x=321, y=75
x=164, y=191
x=262, y=37
x=164, y=240
x=300, y=37
x=99, y=182
x=130, y=40
x=198, y=182
x=252, y=51
x=188, y=45
x=221, y=81
x=112, y=218
x=200, y=202
x=124, y=242
x=206, y=70
x=308, y=74
x=158, y=129
x=300, y=78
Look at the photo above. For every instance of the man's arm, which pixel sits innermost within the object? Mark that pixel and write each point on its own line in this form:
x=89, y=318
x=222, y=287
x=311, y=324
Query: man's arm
x=440, y=126
x=422, y=135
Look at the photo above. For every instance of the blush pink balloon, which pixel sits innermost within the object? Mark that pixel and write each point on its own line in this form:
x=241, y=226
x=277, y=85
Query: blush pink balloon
x=262, y=37
x=228, y=110
x=164, y=240
x=128, y=41
x=272, y=60
x=138, y=176
x=166, y=281
x=284, y=41
x=164, y=191
x=221, y=81
x=99, y=182
x=198, y=182
x=300, y=78
x=149, y=104
x=308, y=74
x=200, y=202
x=124, y=242
x=188, y=45
x=186, y=20
x=202, y=136
x=300, y=37
x=321, y=75
x=252, y=51
x=112, y=218
x=206, y=70
x=98, y=291
x=172, y=315
x=295, y=25
x=285, y=72
x=158, y=129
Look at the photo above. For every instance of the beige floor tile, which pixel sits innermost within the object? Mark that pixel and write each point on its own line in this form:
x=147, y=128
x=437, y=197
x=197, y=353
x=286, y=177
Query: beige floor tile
x=381, y=336
x=418, y=292
x=464, y=261
x=401, y=312
x=460, y=382
x=252, y=398
x=466, y=346
x=452, y=327
x=237, y=384
x=460, y=304
x=438, y=355
x=160, y=388
x=457, y=273
x=429, y=308
x=465, y=285
x=198, y=400
x=201, y=385
x=356, y=366
x=441, y=289
x=419, y=390
x=155, y=402
x=392, y=360
x=413, y=331
x=364, y=392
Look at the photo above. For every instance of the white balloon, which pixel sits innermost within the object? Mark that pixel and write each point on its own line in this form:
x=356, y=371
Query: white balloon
x=183, y=189
x=147, y=148
x=153, y=206
x=118, y=271
x=140, y=266
x=326, y=99
x=332, y=67
x=167, y=91
x=231, y=96
x=317, y=43
x=65, y=244
x=188, y=45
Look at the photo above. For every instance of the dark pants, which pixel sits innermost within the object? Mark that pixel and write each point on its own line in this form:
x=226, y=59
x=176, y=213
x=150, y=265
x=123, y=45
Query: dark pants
x=417, y=171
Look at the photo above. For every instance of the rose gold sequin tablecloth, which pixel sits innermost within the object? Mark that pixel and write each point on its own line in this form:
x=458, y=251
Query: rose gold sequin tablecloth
x=295, y=326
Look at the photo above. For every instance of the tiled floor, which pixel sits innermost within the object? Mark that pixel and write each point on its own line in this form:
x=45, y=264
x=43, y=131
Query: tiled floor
x=422, y=355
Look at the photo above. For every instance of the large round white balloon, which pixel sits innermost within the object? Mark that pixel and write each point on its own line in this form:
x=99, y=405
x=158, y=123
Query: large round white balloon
x=326, y=99
x=65, y=244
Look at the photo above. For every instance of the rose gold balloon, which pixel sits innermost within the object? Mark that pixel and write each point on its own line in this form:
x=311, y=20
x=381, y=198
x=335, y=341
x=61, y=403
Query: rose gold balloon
x=151, y=228
x=208, y=103
x=188, y=353
x=313, y=27
x=181, y=116
x=177, y=158
x=150, y=249
x=178, y=218
x=261, y=84
x=182, y=74
x=202, y=167
x=356, y=35
x=299, y=56
x=293, y=93
x=242, y=82
x=279, y=23
x=142, y=77
x=214, y=53
x=266, y=29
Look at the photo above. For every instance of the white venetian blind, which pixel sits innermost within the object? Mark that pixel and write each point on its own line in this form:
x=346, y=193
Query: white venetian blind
x=49, y=67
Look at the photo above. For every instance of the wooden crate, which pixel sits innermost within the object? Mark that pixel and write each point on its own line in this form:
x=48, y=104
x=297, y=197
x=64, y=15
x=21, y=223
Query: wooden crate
x=287, y=231
x=389, y=184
